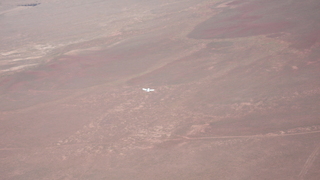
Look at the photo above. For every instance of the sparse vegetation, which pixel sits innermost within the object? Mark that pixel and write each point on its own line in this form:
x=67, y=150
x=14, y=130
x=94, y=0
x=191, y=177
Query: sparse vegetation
x=30, y=4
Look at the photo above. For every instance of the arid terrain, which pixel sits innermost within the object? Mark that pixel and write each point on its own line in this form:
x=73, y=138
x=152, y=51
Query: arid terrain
x=237, y=90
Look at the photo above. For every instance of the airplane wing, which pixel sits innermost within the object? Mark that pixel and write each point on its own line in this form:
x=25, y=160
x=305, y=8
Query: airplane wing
x=147, y=90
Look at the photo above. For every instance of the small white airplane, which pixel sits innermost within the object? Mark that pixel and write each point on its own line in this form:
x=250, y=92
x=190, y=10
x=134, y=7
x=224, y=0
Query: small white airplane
x=147, y=90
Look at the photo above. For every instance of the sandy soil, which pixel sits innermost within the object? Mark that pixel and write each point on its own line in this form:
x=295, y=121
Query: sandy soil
x=236, y=89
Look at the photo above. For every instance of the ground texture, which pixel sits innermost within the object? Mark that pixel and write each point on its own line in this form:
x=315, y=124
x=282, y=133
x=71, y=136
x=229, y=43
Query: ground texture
x=237, y=90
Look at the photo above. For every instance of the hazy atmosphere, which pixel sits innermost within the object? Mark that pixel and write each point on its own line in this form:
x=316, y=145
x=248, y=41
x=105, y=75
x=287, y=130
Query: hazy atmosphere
x=234, y=89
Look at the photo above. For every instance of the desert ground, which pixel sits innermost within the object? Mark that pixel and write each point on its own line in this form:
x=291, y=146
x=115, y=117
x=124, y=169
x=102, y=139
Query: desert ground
x=237, y=90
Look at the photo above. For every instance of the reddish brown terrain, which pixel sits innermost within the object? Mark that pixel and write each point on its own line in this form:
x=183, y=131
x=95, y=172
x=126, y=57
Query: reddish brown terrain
x=237, y=90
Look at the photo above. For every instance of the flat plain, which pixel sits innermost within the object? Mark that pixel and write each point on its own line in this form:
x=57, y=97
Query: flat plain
x=236, y=97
